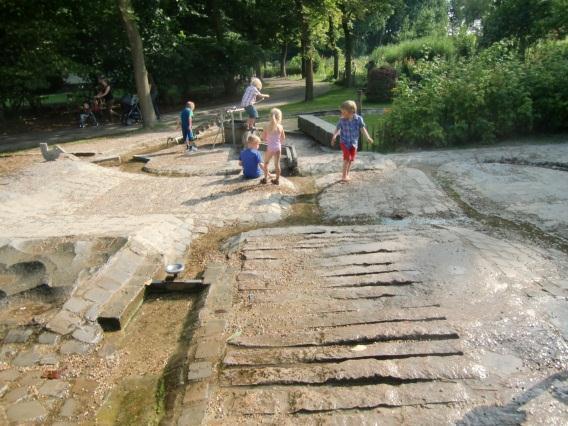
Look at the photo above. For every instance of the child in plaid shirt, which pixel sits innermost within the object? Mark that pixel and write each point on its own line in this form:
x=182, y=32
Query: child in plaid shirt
x=349, y=126
x=249, y=99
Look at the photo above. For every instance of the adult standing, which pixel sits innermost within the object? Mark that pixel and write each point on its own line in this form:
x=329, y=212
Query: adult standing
x=104, y=96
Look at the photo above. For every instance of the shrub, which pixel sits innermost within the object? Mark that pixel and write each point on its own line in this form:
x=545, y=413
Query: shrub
x=420, y=48
x=467, y=100
x=381, y=83
x=547, y=69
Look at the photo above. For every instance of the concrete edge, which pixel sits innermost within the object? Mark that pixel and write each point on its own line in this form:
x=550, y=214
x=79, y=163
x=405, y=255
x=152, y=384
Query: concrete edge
x=205, y=352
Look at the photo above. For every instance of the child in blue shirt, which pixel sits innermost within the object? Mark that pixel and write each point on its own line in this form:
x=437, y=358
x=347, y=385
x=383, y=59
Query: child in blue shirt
x=186, y=120
x=250, y=158
x=349, y=126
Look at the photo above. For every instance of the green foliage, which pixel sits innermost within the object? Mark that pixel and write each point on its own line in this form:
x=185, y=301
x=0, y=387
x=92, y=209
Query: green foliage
x=526, y=21
x=547, y=69
x=467, y=100
x=381, y=83
x=421, y=48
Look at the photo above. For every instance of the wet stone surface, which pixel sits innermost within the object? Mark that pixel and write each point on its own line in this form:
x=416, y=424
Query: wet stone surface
x=299, y=351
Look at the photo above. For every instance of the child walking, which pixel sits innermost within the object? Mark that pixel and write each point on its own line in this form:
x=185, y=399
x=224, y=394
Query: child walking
x=249, y=99
x=87, y=114
x=274, y=136
x=186, y=120
x=250, y=159
x=349, y=126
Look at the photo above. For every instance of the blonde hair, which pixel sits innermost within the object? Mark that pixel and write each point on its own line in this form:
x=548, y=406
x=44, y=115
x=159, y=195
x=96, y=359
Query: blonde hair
x=191, y=105
x=256, y=83
x=275, y=120
x=253, y=140
x=349, y=106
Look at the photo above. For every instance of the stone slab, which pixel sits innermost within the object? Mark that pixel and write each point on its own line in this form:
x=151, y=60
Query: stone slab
x=69, y=408
x=64, y=322
x=18, y=335
x=91, y=334
x=54, y=388
x=47, y=338
x=26, y=359
x=116, y=314
x=199, y=370
x=352, y=371
x=74, y=347
x=26, y=412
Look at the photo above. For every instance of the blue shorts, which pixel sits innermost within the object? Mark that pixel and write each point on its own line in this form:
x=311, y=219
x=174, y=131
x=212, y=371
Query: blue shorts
x=251, y=111
x=187, y=135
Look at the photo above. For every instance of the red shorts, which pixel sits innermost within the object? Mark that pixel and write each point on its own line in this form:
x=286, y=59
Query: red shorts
x=349, y=154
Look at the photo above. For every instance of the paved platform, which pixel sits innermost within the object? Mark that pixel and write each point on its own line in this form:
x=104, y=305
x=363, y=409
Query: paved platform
x=375, y=324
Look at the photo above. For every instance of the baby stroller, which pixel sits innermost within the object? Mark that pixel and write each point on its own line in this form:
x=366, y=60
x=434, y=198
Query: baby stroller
x=131, y=113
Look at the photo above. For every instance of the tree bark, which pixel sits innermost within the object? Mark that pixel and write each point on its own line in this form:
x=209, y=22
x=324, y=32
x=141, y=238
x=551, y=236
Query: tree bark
x=345, y=21
x=303, y=55
x=138, y=62
x=308, y=60
x=334, y=49
x=283, y=56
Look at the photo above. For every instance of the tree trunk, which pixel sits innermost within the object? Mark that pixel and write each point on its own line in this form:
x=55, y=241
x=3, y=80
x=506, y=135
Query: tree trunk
x=333, y=47
x=348, y=47
x=138, y=63
x=308, y=59
x=283, y=56
x=303, y=54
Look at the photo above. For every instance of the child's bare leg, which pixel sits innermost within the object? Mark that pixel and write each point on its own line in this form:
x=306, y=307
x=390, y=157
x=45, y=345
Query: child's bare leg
x=344, y=172
x=250, y=123
x=349, y=163
x=267, y=158
x=277, y=156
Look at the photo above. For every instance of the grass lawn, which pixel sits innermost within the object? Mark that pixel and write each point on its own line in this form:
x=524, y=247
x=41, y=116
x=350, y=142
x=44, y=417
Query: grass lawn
x=327, y=101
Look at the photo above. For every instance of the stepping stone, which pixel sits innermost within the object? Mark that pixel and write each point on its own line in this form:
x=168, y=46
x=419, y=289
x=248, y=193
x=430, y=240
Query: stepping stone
x=47, y=338
x=88, y=334
x=26, y=412
x=50, y=359
x=9, y=375
x=26, y=359
x=69, y=408
x=16, y=395
x=18, y=335
x=64, y=322
x=74, y=347
x=54, y=388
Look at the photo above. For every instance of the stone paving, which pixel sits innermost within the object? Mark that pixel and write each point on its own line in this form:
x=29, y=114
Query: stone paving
x=416, y=324
x=424, y=319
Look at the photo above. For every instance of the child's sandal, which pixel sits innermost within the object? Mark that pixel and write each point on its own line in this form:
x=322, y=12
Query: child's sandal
x=263, y=181
x=276, y=181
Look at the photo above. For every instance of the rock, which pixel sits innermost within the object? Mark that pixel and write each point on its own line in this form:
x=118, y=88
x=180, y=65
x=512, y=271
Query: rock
x=50, y=359
x=16, y=395
x=69, y=408
x=51, y=154
x=26, y=412
x=199, y=370
x=88, y=334
x=9, y=375
x=74, y=347
x=54, y=388
x=48, y=338
x=64, y=322
x=26, y=359
x=18, y=335
x=76, y=305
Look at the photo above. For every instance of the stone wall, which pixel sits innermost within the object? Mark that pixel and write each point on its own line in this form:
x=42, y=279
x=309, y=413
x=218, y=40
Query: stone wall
x=319, y=129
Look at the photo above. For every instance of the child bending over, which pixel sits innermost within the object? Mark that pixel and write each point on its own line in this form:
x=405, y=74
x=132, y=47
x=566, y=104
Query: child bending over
x=274, y=136
x=250, y=159
x=186, y=121
x=249, y=99
x=349, y=126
